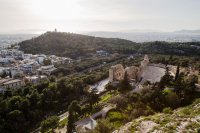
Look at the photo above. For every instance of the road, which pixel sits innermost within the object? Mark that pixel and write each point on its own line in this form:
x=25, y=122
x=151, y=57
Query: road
x=102, y=113
x=100, y=86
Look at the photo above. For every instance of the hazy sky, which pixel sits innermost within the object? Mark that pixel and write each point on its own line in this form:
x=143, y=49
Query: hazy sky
x=98, y=15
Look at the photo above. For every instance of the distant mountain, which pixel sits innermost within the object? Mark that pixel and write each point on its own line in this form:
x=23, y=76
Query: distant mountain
x=147, y=36
x=73, y=45
x=188, y=32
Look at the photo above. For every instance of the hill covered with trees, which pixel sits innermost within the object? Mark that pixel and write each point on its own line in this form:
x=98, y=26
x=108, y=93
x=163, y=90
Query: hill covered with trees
x=74, y=45
x=171, y=48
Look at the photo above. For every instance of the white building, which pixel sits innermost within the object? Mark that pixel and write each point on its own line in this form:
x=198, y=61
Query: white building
x=28, y=56
x=47, y=70
x=41, y=58
x=16, y=72
x=13, y=84
x=4, y=60
x=35, y=79
x=10, y=83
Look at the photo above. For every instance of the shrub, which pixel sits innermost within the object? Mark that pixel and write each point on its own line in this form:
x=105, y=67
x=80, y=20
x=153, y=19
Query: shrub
x=103, y=126
x=115, y=116
x=186, y=111
x=49, y=123
x=167, y=110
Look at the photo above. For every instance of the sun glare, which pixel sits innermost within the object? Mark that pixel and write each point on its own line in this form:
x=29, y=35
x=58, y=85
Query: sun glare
x=56, y=9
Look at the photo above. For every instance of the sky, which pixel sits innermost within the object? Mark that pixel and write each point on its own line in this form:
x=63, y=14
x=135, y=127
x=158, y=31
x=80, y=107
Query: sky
x=34, y=16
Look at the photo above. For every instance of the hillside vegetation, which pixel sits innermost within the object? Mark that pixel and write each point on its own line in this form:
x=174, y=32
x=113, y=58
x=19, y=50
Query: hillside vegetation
x=73, y=45
x=186, y=119
x=171, y=48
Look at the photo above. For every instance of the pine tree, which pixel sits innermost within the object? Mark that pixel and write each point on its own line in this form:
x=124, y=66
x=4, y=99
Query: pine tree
x=166, y=79
x=93, y=98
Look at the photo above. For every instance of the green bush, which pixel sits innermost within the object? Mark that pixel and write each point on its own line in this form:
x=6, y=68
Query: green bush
x=167, y=110
x=115, y=116
x=103, y=126
x=186, y=111
x=63, y=123
x=51, y=122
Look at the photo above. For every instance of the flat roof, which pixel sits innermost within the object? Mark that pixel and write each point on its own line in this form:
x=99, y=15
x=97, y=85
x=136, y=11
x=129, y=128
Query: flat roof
x=5, y=80
x=12, y=81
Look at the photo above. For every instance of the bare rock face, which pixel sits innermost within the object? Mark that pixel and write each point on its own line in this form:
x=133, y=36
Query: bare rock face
x=147, y=126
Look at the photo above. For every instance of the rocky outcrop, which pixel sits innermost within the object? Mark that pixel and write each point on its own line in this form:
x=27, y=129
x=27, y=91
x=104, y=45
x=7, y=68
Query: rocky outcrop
x=186, y=119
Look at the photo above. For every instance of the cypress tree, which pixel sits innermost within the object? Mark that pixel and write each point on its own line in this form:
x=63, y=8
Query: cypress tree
x=177, y=72
x=124, y=85
x=70, y=125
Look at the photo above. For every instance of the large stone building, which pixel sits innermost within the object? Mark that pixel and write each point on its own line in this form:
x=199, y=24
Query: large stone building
x=116, y=73
x=142, y=67
x=132, y=72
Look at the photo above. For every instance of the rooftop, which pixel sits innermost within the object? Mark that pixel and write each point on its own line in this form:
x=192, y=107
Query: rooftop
x=5, y=80
x=12, y=81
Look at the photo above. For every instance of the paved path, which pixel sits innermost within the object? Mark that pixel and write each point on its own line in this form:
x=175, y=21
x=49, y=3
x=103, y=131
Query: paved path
x=102, y=113
x=100, y=86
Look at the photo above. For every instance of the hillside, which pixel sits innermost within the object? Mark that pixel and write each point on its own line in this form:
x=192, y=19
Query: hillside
x=171, y=48
x=73, y=45
x=186, y=119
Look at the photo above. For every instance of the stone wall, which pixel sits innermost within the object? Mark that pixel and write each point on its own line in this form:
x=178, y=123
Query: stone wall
x=132, y=72
x=143, y=65
x=116, y=73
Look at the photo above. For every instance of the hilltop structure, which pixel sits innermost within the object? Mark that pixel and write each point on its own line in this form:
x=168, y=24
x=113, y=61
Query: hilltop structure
x=116, y=73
